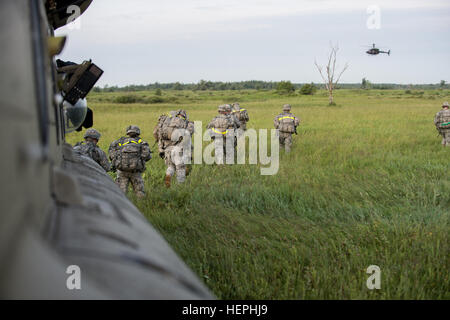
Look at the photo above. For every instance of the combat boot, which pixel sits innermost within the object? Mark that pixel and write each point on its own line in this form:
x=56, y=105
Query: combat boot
x=167, y=180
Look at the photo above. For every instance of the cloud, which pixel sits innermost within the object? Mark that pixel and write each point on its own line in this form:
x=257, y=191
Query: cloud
x=134, y=20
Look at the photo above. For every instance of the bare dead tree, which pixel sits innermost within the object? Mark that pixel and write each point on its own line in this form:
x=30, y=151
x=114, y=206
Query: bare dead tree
x=331, y=80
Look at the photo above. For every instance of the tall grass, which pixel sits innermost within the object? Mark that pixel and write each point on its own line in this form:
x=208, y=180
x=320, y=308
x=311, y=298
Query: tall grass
x=367, y=182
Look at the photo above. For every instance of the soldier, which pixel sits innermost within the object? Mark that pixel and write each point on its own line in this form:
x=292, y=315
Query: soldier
x=242, y=116
x=442, y=123
x=236, y=123
x=128, y=156
x=157, y=131
x=222, y=129
x=287, y=124
x=172, y=145
x=90, y=148
x=234, y=117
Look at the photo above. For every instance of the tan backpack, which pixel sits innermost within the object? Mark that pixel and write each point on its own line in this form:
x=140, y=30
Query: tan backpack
x=286, y=123
x=169, y=126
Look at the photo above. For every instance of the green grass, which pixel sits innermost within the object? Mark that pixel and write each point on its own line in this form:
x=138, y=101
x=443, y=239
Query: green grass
x=367, y=182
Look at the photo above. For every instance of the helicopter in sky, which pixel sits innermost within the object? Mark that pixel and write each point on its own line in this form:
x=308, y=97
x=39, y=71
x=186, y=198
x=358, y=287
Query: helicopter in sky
x=374, y=51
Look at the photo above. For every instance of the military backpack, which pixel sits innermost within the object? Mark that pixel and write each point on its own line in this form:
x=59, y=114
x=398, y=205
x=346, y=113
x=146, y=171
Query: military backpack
x=443, y=122
x=128, y=155
x=169, y=125
x=286, y=123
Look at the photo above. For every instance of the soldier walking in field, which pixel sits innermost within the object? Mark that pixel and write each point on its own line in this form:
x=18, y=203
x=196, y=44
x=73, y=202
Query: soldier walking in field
x=173, y=133
x=90, y=148
x=241, y=115
x=287, y=124
x=222, y=130
x=442, y=123
x=128, y=156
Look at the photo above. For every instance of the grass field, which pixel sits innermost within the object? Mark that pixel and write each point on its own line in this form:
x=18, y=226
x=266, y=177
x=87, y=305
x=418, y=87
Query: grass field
x=367, y=183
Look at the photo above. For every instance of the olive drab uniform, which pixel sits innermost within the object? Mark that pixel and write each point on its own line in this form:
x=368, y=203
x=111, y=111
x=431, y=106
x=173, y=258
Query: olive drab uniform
x=129, y=155
x=442, y=123
x=172, y=145
x=222, y=130
x=287, y=124
x=90, y=149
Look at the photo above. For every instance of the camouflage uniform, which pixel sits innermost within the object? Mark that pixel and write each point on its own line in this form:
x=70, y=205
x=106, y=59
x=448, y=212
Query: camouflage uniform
x=90, y=148
x=130, y=166
x=222, y=129
x=287, y=123
x=236, y=123
x=172, y=151
x=442, y=123
x=242, y=116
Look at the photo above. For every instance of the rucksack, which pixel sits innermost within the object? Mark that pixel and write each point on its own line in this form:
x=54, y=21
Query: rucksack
x=444, y=120
x=286, y=123
x=220, y=126
x=242, y=115
x=87, y=149
x=169, y=125
x=128, y=156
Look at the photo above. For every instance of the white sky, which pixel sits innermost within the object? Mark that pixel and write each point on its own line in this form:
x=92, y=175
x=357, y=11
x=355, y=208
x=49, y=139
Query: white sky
x=143, y=41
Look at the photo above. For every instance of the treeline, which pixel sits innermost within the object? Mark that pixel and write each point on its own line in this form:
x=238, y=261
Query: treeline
x=259, y=85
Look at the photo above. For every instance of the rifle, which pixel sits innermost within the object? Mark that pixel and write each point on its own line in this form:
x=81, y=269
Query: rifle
x=295, y=131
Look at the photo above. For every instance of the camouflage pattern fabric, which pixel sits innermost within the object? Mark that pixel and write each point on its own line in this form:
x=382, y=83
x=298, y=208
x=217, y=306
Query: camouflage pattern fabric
x=129, y=161
x=222, y=129
x=173, y=157
x=134, y=176
x=446, y=138
x=242, y=117
x=90, y=149
x=173, y=150
x=285, y=141
x=286, y=122
x=125, y=178
x=442, y=123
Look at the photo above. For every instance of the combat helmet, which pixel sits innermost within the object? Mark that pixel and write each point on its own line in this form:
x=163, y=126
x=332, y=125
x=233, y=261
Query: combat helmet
x=133, y=129
x=287, y=107
x=92, y=133
x=236, y=106
x=445, y=104
x=228, y=108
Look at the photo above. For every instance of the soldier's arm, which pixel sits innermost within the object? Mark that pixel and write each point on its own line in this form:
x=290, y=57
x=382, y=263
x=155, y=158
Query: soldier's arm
x=146, y=152
x=156, y=132
x=104, y=161
x=436, y=118
x=296, y=121
x=276, y=122
x=190, y=127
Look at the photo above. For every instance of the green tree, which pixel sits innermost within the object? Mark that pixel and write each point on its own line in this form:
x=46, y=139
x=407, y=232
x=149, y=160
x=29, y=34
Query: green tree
x=177, y=86
x=158, y=92
x=308, y=89
x=285, y=87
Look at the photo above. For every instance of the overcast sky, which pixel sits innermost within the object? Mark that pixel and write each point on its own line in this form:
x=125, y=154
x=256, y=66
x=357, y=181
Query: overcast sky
x=144, y=41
